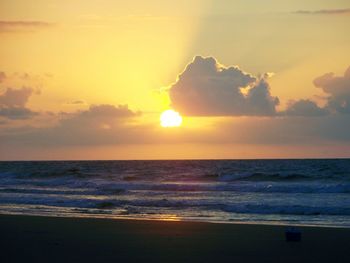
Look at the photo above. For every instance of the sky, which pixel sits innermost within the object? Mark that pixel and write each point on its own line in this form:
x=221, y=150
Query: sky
x=89, y=79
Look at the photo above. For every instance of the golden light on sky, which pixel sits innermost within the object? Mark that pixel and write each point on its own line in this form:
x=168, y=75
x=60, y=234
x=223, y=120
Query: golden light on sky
x=77, y=76
x=170, y=118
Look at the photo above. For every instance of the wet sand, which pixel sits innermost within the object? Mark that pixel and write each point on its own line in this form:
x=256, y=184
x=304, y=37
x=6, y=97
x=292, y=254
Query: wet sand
x=54, y=239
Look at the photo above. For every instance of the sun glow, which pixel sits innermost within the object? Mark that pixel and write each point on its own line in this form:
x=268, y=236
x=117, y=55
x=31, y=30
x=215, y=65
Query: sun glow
x=170, y=118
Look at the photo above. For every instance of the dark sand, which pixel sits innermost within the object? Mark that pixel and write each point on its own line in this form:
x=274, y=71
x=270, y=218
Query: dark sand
x=52, y=239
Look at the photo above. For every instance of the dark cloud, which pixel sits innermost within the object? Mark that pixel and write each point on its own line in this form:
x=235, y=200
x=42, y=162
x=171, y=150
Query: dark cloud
x=286, y=130
x=15, y=97
x=304, y=107
x=100, y=124
x=259, y=100
x=324, y=12
x=13, y=102
x=335, y=85
x=206, y=88
x=15, y=113
x=338, y=88
x=108, y=111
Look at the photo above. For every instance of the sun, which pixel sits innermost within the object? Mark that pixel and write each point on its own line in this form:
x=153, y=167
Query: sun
x=170, y=118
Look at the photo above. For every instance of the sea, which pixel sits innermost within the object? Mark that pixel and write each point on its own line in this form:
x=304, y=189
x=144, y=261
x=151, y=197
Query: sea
x=293, y=192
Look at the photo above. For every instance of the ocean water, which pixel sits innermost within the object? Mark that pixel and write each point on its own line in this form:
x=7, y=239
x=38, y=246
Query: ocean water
x=308, y=192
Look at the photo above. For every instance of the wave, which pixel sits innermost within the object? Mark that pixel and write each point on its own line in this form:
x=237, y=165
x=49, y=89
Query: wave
x=248, y=187
x=63, y=192
x=71, y=172
x=105, y=187
x=286, y=210
x=180, y=171
x=205, y=177
x=239, y=204
x=142, y=206
x=286, y=176
x=240, y=209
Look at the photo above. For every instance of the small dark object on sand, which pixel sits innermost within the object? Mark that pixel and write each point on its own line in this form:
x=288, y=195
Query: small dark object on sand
x=293, y=234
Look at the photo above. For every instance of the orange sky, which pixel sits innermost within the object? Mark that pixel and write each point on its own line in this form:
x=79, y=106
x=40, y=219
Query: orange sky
x=89, y=79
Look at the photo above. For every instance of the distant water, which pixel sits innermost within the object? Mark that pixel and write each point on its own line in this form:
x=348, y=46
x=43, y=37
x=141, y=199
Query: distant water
x=314, y=192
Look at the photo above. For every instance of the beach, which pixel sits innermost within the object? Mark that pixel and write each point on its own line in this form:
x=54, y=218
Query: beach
x=59, y=239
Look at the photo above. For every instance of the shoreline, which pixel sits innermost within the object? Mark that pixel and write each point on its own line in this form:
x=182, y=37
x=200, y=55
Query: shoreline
x=58, y=239
x=232, y=222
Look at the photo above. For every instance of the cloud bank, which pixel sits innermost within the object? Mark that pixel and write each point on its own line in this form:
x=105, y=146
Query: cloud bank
x=304, y=107
x=204, y=88
x=99, y=125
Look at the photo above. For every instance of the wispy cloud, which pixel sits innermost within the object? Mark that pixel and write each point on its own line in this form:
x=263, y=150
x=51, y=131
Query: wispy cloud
x=324, y=12
x=18, y=25
x=76, y=102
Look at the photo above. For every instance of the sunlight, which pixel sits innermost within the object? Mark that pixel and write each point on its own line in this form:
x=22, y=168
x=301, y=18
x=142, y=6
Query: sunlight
x=170, y=118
